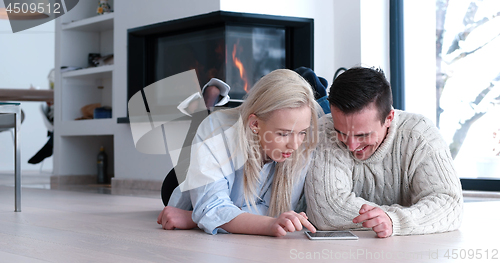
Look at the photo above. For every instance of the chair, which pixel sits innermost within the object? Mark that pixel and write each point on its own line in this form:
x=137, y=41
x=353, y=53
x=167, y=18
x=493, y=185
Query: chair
x=10, y=117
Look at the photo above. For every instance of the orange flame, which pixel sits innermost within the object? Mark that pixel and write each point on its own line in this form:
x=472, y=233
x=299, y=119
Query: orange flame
x=239, y=65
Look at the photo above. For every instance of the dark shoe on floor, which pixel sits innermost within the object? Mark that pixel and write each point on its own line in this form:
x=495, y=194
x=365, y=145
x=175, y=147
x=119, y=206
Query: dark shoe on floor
x=45, y=152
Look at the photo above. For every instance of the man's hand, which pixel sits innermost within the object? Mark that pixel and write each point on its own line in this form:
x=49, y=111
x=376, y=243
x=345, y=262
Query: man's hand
x=290, y=222
x=171, y=218
x=376, y=219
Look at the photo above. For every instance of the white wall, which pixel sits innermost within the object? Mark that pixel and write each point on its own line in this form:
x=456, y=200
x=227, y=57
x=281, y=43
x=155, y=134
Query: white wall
x=347, y=33
x=130, y=14
x=320, y=10
x=129, y=163
x=26, y=58
x=375, y=34
x=420, y=57
x=361, y=34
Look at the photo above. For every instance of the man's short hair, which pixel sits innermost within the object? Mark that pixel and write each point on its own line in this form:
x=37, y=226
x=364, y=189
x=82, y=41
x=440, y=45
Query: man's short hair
x=357, y=87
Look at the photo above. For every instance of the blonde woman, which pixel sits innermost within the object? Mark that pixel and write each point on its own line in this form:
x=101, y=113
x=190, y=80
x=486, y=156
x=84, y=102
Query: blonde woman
x=248, y=164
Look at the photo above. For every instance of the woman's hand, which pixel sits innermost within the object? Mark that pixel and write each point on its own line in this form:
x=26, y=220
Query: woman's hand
x=247, y=223
x=289, y=222
x=172, y=217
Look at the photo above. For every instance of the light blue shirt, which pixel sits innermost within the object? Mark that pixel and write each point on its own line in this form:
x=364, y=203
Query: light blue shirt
x=213, y=188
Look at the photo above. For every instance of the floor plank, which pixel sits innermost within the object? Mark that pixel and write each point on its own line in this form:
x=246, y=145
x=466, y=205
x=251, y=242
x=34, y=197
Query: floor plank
x=64, y=226
x=77, y=226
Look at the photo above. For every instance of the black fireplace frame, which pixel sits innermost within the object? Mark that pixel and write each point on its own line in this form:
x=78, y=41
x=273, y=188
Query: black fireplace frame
x=299, y=32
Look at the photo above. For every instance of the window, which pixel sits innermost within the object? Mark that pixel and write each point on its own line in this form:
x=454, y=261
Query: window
x=468, y=88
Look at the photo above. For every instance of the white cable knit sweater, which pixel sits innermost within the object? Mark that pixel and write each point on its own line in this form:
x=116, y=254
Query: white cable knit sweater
x=410, y=176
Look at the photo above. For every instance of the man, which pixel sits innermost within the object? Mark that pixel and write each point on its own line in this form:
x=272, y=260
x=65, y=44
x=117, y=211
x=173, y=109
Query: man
x=380, y=168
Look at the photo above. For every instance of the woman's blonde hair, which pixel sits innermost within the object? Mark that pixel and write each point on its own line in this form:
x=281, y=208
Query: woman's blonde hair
x=280, y=89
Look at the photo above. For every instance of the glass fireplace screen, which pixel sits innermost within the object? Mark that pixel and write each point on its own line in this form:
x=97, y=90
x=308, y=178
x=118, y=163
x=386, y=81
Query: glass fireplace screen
x=238, y=55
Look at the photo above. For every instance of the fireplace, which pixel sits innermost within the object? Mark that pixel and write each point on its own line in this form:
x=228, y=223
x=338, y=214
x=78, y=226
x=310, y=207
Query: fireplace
x=237, y=48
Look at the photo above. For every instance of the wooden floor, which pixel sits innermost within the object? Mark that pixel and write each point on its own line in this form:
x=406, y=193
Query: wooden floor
x=64, y=226
x=68, y=226
x=41, y=180
x=77, y=226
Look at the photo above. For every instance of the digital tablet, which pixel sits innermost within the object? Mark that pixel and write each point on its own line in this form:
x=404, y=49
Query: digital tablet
x=322, y=235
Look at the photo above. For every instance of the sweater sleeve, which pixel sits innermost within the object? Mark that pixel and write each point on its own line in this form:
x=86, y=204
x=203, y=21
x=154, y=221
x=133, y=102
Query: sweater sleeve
x=435, y=194
x=429, y=199
x=436, y=198
x=331, y=202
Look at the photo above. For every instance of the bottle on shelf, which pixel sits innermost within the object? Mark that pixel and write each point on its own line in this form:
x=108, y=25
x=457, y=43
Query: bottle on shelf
x=102, y=167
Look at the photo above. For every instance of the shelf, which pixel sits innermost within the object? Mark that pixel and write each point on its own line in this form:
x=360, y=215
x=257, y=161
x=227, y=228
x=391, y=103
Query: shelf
x=97, y=72
x=93, y=24
x=86, y=127
x=77, y=142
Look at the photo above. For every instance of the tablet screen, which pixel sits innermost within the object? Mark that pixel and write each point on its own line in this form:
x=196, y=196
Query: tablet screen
x=331, y=235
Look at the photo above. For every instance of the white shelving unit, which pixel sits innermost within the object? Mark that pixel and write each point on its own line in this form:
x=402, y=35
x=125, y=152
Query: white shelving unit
x=79, y=33
x=92, y=24
x=97, y=72
x=88, y=127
